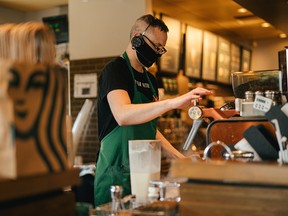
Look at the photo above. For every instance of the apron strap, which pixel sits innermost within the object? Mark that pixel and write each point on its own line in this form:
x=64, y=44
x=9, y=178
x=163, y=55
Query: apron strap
x=149, y=81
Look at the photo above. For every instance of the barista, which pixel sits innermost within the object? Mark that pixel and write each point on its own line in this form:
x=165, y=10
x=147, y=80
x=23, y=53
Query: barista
x=128, y=105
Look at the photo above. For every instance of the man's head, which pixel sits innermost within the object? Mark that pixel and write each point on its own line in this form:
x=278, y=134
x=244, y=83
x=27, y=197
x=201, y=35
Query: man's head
x=148, y=38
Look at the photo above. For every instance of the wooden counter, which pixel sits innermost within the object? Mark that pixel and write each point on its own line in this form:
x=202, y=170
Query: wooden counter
x=232, y=188
x=39, y=194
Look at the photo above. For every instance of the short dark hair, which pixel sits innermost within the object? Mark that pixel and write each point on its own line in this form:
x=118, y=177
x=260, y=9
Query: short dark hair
x=154, y=22
x=150, y=20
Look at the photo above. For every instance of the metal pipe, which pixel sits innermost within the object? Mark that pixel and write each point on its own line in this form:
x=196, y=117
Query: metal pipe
x=194, y=129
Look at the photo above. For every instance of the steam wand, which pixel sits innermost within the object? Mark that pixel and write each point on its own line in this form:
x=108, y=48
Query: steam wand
x=195, y=127
x=195, y=113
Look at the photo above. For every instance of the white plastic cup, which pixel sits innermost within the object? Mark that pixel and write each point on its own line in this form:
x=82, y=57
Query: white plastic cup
x=145, y=164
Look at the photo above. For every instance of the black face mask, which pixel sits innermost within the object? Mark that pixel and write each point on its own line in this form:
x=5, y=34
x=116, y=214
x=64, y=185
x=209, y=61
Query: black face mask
x=146, y=54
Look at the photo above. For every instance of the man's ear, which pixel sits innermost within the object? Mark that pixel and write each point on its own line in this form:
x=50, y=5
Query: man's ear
x=137, y=34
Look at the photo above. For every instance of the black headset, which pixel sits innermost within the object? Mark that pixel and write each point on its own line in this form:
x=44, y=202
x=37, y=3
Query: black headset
x=137, y=41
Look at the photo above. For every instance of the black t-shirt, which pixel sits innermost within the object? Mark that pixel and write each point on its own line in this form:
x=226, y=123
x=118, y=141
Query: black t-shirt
x=116, y=75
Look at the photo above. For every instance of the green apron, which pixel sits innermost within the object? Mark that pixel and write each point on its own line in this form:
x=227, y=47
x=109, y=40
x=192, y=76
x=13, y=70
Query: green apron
x=112, y=167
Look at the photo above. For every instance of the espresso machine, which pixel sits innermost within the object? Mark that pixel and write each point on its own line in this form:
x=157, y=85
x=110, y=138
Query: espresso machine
x=256, y=92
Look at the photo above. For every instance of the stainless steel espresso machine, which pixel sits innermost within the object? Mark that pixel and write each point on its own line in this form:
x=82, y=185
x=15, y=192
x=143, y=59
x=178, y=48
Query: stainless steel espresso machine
x=251, y=121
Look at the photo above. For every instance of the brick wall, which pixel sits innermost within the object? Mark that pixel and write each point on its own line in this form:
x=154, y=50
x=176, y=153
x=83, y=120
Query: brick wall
x=89, y=144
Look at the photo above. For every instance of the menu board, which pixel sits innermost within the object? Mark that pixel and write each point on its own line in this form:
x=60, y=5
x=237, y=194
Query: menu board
x=235, y=58
x=209, y=56
x=193, y=49
x=246, y=60
x=169, y=62
x=223, y=61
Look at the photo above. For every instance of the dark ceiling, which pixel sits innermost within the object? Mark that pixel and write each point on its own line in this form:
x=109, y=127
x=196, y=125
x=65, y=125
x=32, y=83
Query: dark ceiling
x=273, y=11
x=218, y=16
x=221, y=17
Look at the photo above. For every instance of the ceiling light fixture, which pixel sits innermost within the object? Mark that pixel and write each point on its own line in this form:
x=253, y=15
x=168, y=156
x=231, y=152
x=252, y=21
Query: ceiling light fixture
x=242, y=10
x=283, y=35
x=265, y=25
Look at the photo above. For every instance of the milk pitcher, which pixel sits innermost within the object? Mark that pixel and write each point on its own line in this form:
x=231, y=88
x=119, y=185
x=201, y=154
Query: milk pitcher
x=145, y=164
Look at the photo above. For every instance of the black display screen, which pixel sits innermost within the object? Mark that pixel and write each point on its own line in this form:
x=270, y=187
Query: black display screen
x=59, y=25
